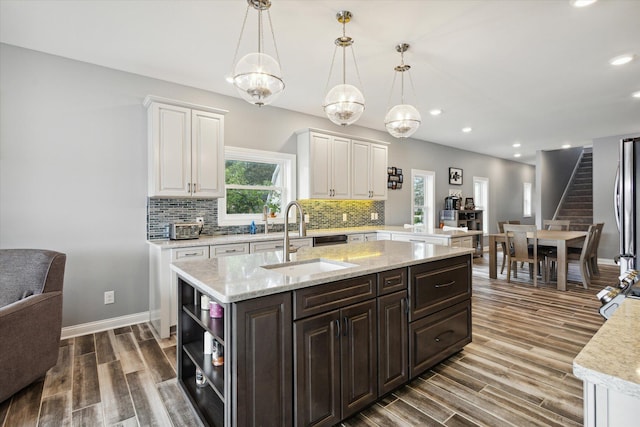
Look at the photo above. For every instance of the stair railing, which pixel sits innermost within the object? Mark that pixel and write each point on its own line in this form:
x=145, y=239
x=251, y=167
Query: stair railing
x=566, y=189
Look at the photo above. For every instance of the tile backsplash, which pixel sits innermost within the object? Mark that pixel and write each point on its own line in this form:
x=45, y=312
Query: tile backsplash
x=322, y=214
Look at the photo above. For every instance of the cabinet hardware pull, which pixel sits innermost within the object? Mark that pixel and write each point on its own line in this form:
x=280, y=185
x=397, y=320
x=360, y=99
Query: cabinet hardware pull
x=437, y=339
x=278, y=247
x=195, y=187
x=189, y=187
x=444, y=285
x=337, y=322
x=345, y=331
x=407, y=302
x=230, y=251
x=192, y=254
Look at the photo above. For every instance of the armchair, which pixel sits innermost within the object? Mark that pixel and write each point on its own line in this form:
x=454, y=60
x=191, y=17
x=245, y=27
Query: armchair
x=30, y=315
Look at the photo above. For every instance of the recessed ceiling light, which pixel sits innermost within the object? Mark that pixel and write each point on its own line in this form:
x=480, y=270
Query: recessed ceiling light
x=582, y=3
x=516, y=145
x=435, y=112
x=517, y=155
x=636, y=94
x=566, y=145
x=466, y=129
x=621, y=60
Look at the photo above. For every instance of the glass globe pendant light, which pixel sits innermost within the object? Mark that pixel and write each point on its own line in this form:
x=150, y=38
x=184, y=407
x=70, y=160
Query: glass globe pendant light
x=344, y=103
x=402, y=120
x=257, y=76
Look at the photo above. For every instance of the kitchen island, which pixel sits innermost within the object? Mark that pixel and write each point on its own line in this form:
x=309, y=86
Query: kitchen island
x=609, y=366
x=304, y=346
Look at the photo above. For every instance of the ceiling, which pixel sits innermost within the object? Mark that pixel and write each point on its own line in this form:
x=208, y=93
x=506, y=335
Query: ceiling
x=529, y=71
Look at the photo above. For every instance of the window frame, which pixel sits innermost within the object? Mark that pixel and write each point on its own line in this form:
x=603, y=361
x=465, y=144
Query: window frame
x=429, y=196
x=527, y=199
x=287, y=164
x=484, y=183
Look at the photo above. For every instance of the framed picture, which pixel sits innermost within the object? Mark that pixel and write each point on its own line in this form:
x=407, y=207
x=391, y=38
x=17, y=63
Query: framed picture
x=455, y=176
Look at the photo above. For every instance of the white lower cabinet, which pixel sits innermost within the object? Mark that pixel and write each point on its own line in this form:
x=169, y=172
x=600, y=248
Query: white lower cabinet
x=605, y=407
x=278, y=245
x=229, y=249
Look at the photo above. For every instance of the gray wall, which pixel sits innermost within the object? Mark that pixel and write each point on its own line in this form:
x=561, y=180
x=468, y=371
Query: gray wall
x=553, y=172
x=605, y=164
x=73, y=169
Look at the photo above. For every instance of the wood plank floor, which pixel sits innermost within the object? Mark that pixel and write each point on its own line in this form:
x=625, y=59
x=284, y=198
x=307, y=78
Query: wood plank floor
x=516, y=372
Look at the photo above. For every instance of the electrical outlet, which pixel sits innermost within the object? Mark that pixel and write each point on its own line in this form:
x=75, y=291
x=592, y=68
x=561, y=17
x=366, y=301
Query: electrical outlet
x=344, y=217
x=306, y=218
x=109, y=297
x=200, y=220
x=373, y=215
x=376, y=215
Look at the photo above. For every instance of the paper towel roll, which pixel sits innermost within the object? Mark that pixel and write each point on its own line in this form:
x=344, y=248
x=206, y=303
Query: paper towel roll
x=208, y=341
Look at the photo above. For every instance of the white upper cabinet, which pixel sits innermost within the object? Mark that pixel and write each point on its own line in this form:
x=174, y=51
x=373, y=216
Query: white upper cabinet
x=323, y=166
x=333, y=166
x=186, y=149
x=368, y=170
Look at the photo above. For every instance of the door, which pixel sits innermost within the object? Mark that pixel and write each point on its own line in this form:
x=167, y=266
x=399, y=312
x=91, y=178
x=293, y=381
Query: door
x=359, y=360
x=317, y=370
x=393, y=338
x=207, y=154
x=170, y=168
x=360, y=171
x=341, y=159
x=320, y=158
x=378, y=170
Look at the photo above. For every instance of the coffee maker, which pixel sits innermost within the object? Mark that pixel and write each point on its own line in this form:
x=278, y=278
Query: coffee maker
x=451, y=203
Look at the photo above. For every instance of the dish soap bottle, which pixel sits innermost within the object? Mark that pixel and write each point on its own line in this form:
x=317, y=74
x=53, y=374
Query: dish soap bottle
x=252, y=228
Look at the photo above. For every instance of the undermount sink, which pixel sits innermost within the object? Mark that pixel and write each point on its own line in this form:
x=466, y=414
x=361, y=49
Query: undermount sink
x=308, y=267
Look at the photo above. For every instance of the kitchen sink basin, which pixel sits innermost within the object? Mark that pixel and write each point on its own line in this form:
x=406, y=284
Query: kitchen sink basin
x=308, y=267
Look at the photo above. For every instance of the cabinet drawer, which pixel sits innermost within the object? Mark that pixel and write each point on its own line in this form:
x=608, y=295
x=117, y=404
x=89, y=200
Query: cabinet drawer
x=197, y=252
x=321, y=298
x=271, y=245
x=392, y=281
x=436, y=337
x=463, y=242
x=437, y=285
x=226, y=250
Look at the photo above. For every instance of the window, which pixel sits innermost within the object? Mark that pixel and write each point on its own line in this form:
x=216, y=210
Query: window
x=422, y=201
x=253, y=179
x=526, y=205
x=481, y=199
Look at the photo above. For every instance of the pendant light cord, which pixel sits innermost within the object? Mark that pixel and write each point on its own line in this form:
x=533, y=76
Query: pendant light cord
x=235, y=55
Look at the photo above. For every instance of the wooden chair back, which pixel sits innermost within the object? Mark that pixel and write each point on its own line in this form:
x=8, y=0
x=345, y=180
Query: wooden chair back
x=556, y=224
x=516, y=237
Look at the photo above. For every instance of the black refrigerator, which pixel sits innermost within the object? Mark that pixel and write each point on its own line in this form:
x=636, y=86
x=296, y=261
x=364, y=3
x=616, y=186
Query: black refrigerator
x=627, y=203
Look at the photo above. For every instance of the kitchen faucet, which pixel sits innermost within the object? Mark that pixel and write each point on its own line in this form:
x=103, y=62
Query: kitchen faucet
x=302, y=230
x=265, y=218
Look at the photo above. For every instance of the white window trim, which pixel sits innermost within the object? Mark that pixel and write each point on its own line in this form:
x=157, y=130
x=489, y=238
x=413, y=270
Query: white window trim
x=288, y=170
x=429, y=199
x=485, y=209
x=527, y=196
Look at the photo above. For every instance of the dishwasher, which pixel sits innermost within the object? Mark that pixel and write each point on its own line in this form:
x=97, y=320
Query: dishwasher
x=338, y=239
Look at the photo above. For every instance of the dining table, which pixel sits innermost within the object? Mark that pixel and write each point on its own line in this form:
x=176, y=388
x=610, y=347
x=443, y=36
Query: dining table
x=561, y=240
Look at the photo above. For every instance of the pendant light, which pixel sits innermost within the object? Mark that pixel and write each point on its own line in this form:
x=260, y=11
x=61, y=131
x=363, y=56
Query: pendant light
x=344, y=103
x=403, y=120
x=257, y=76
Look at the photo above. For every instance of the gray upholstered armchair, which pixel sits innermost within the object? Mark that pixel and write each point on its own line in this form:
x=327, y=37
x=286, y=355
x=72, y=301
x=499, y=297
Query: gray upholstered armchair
x=30, y=315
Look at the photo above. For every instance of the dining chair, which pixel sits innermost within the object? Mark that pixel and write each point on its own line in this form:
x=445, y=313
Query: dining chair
x=577, y=255
x=556, y=224
x=520, y=250
x=593, y=255
x=504, y=245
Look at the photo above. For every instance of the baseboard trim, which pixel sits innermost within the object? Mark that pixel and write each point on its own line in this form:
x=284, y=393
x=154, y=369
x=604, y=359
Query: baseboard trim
x=104, y=325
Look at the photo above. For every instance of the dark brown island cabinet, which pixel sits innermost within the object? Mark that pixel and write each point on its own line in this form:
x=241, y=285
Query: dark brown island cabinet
x=317, y=355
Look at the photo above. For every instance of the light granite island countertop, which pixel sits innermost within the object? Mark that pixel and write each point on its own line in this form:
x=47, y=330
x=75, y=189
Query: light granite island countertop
x=609, y=365
x=242, y=277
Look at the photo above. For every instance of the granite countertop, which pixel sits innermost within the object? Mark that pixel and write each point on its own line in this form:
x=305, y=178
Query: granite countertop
x=242, y=238
x=612, y=357
x=241, y=277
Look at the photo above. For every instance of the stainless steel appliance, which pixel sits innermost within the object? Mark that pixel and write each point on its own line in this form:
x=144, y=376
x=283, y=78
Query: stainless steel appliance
x=338, y=239
x=627, y=203
x=184, y=231
x=627, y=212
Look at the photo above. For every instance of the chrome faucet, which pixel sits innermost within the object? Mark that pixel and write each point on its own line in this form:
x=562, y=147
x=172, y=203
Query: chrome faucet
x=302, y=230
x=265, y=218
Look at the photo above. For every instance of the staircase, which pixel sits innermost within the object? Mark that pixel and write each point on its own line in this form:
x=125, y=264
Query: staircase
x=577, y=203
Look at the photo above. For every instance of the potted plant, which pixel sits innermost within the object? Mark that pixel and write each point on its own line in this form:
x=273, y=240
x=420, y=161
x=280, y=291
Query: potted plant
x=274, y=205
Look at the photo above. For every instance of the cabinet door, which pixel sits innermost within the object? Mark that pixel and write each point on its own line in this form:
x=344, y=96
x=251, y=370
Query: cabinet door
x=169, y=151
x=359, y=361
x=360, y=170
x=262, y=383
x=320, y=153
x=340, y=170
x=378, y=170
x=317, y=370
x=230, y=249
x=393, y=342
x=207, y=154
